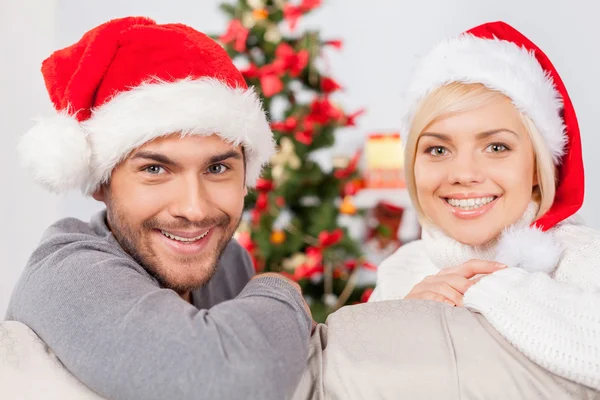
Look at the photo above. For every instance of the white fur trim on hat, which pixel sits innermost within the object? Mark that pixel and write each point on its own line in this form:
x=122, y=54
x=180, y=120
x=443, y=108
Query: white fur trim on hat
x=499, y=65
x=56, y=152
x=149, y=111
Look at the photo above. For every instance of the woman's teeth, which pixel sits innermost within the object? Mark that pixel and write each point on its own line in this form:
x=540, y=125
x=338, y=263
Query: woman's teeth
x=470, y=204
x=182, y=239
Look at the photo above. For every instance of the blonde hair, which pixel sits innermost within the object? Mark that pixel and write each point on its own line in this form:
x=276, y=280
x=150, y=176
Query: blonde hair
x=459, y=97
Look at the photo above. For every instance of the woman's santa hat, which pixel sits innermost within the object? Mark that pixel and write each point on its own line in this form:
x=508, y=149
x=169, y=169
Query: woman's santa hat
x=129, y=81
x=503, y=59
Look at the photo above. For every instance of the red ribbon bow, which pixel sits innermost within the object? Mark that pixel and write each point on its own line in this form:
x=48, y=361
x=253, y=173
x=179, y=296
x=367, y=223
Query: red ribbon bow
x=237, y=33
x=328, y=239
x=328, y=85
x=292, y=13
x=350, y=169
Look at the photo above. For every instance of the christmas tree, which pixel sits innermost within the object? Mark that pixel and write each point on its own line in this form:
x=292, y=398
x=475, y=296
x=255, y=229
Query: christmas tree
x=297, y=215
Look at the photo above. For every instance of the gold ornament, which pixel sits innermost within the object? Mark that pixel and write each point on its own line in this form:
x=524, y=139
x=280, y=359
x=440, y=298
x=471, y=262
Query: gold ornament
x=248, y=20
x=256, y=3
x=347, y=207
x=297, y=259
x=341, y=162
x=273, y=34
x=286, y=156
x=260, y=14
x=277, y=237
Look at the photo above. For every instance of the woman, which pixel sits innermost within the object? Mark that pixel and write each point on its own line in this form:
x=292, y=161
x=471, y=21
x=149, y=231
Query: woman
x=494, y=169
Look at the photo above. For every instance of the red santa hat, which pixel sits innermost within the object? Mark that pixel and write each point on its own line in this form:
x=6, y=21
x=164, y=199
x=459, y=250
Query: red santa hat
x=129, y=81
x=503, y=59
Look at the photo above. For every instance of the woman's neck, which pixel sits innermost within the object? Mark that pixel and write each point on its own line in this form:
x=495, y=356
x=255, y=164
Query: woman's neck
x=444, y=251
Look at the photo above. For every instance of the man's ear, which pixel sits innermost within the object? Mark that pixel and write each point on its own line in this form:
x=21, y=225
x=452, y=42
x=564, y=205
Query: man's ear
x=100, y=193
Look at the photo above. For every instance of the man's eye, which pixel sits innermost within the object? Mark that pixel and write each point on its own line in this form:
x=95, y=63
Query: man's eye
x=217, y=169
x=154, y=169
x=437, y=151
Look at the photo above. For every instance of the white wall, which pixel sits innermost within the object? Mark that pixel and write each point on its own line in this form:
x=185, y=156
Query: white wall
x=382, y=40
x=27, y=30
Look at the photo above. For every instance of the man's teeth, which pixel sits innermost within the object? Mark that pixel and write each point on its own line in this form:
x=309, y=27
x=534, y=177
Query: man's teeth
x=470, y=204
x=182, y=239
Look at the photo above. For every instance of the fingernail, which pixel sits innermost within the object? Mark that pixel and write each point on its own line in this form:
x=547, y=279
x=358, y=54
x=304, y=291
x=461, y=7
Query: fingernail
x=500, y=265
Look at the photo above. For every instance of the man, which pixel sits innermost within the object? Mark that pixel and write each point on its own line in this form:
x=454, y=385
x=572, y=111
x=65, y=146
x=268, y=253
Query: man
x=152, y=299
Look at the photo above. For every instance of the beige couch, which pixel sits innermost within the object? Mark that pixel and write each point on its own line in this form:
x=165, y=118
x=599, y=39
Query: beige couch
x=29, y=370
x=388, y=350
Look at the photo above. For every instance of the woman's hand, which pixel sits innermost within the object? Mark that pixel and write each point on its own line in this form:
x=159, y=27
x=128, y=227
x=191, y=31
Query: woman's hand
x=450, y=284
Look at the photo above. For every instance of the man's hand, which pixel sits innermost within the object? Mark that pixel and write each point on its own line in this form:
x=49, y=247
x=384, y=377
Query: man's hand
x=450, y=284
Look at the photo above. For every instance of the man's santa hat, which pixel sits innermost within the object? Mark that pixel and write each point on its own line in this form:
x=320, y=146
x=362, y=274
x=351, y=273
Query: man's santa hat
x=129, y=81
x=503, y=59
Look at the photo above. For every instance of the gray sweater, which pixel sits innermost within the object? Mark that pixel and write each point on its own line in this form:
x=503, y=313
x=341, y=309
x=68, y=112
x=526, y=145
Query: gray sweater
x=125, y=337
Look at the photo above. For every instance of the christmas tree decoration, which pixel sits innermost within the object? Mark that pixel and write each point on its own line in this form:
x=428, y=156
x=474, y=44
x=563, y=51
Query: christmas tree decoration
x=347, y=207
x=277, y=237
x=297, y=222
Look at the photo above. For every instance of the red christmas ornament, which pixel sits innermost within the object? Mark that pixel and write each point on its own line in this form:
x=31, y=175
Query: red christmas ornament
x=287, y=126
x=264, y=185
x=262, y=201
x=350, y=169
x=287, y=59
x=328, y=85
x=271, y=84
x=323, y=112
x=305, y=271
x=292, y=13
x=245, y=240
x=366, y=295
x=351, y=119
x=250, y=72
x=280, y=201
x=315, y=255
x=350, y=189
x=304, y=137
x=236, y=33
x=327, y=239
x=350, y=264
x=334, y=43
x=369, y=266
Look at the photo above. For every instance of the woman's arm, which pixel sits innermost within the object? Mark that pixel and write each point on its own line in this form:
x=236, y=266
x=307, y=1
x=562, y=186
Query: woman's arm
x=557, y=325
x=401, y=271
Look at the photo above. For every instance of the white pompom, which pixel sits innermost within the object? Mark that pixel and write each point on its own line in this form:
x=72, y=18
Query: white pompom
x=529, y=249
x=57, y=154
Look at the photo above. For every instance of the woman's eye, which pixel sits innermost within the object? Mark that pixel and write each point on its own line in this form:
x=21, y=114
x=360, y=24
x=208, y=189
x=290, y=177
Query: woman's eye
x=217, y=169
x=154, y=169
x=496, y=148
x=437, y=151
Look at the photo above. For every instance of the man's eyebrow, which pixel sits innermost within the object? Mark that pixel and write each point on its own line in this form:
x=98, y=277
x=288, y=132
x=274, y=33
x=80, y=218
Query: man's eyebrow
x=225, y=156
x=157, y=157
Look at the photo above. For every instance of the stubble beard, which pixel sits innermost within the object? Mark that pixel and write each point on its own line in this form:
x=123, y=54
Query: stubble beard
x=140, y=248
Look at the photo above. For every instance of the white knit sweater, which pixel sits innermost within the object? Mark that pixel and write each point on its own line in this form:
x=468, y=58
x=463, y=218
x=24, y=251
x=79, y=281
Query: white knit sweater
x=553, y=318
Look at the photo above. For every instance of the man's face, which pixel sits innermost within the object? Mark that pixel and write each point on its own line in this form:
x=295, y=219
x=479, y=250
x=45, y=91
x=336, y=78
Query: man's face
x=175, y=203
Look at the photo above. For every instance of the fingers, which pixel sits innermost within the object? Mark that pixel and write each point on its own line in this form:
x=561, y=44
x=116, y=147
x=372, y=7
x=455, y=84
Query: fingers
x=429, y=296
x=473, y=267
x=458, y=282
x=441, y=291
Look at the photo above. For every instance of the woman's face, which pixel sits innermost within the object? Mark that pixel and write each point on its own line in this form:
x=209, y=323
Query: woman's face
x=475, y=171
